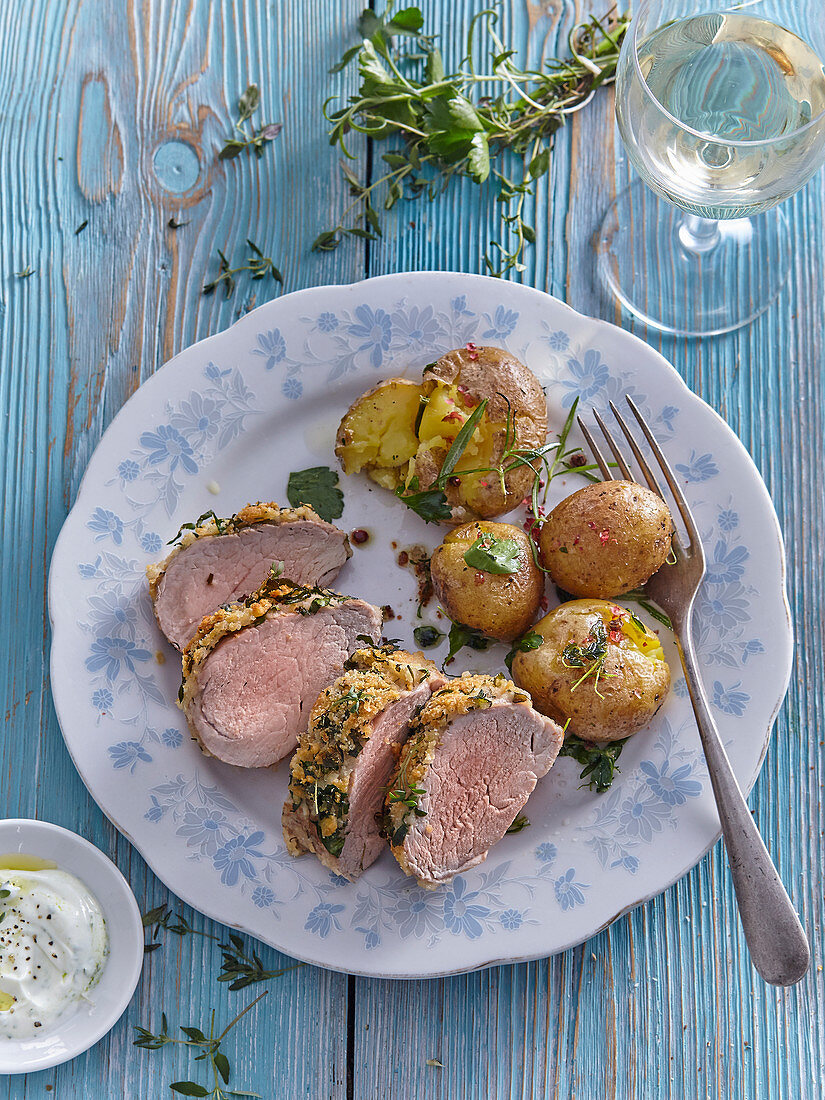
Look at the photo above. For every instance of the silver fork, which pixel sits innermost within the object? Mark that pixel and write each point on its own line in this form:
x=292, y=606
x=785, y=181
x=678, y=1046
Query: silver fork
x=777, y=941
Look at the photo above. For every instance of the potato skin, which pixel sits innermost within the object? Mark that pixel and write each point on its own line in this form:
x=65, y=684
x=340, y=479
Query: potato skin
x=495, y=374
x=606, y=539
x=501, y=605
x=633, y=685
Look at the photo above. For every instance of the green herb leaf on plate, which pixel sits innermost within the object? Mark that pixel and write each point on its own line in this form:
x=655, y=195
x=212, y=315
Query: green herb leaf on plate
x=317, y=487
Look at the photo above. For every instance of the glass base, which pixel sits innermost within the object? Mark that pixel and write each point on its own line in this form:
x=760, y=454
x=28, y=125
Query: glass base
x=687, y=276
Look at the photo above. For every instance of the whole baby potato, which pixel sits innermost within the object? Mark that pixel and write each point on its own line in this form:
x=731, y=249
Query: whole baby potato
x=484, y=576
x=598, y=667
x=606, y=539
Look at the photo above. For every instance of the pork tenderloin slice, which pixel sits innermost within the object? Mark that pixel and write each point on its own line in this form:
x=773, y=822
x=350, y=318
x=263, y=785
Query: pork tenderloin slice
x=344, y=761
x=254, y=670
x=222, y=560
x=475, y=754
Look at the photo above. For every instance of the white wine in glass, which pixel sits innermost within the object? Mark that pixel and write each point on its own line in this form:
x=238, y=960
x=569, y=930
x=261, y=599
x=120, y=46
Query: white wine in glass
x=722, y=112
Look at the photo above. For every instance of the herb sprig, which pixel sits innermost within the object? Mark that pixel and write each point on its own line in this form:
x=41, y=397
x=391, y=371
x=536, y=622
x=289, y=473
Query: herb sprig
x=590, y=656
x=520, y=822
x=431, y=504
x=459, y=124
x=252, y=139
x=257, y=264
x=210, y=1052
x=599, y=760
x=3, y=895
x=243, y=968
x=161, y=918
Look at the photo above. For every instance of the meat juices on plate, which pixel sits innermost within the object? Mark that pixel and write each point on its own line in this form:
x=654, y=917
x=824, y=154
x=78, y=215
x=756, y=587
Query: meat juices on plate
x=222, y=560
x=474, y=755
x=344, y=760
x=255, y=668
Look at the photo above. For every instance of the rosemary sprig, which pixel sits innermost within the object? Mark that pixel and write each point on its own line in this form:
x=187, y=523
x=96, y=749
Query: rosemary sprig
x=520, y=822
x=431, y=504
x=243, y=968
x=210, y=1051
x=258, y=264
x=252, y=139
x=460, y=123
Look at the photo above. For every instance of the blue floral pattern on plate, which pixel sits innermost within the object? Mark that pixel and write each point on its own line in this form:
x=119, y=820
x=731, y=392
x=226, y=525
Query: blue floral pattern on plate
x=234, y=415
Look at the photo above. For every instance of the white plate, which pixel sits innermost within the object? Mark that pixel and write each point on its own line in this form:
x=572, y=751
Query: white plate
x=237, y=413
x=86, y=1025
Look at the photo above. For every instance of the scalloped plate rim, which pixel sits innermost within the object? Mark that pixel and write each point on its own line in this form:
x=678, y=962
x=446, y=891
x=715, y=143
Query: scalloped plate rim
x=496, y=959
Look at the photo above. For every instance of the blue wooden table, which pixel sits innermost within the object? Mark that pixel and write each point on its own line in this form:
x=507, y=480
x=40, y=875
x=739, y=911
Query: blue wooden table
x=111, y=114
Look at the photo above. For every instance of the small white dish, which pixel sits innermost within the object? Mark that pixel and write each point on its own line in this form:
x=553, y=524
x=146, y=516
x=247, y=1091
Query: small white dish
x=85, y=1026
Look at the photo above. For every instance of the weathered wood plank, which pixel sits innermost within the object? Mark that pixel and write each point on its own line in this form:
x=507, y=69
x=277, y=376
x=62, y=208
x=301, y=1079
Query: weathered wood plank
x=113, y=114
x=664, y=1003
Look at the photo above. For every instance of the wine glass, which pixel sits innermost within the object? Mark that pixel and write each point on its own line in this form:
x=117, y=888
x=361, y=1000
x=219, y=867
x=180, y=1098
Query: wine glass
x=722, y=111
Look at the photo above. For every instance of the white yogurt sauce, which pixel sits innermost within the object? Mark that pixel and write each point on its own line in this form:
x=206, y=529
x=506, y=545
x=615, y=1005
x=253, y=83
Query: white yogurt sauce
x=53, y=944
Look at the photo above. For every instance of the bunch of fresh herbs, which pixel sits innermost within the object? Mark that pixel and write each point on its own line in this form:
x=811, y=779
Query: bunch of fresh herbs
x=444, y=125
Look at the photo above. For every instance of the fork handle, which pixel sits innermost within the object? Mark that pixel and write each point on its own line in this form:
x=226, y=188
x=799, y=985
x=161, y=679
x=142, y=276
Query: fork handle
x=777, y=941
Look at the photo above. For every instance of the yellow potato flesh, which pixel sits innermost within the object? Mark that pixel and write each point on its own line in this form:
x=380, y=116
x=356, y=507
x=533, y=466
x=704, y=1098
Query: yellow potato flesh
x=645, y=642
x=444, y=415
x=381, y=432
x=382, y=441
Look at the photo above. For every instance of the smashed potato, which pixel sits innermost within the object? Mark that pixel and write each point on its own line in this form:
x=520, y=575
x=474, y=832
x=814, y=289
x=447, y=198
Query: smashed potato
x=597, y=667
x=399, y=433
x=377, y=434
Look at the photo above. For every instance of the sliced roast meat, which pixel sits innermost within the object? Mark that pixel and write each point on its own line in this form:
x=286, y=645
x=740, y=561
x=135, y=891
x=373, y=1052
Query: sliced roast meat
x=344, y=761
x=474, y=755
x=254, y=669
x=221, y=560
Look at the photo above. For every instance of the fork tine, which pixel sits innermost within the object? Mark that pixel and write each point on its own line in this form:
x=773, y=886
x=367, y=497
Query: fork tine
x=649, y=476
x=611, y=442
x=670, y=478
x=601, y=462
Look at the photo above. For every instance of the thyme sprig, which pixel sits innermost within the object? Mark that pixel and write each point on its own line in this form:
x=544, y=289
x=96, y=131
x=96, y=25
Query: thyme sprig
x=210, y=1052
x=249, y=138
x=459, y=124
x=243, y=968
x=257, y=264
x=161, y=918
x=590, y=656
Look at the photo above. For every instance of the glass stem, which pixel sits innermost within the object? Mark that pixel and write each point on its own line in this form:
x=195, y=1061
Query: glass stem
x=697, y=234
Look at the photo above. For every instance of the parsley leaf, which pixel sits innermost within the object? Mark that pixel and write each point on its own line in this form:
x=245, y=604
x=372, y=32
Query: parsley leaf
x=430, y=504
x=461, y=636
x=427, y=636
x=528, y=641
x=519, y=823
x=494, y=555
x=317, y=487
x=599, y=760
